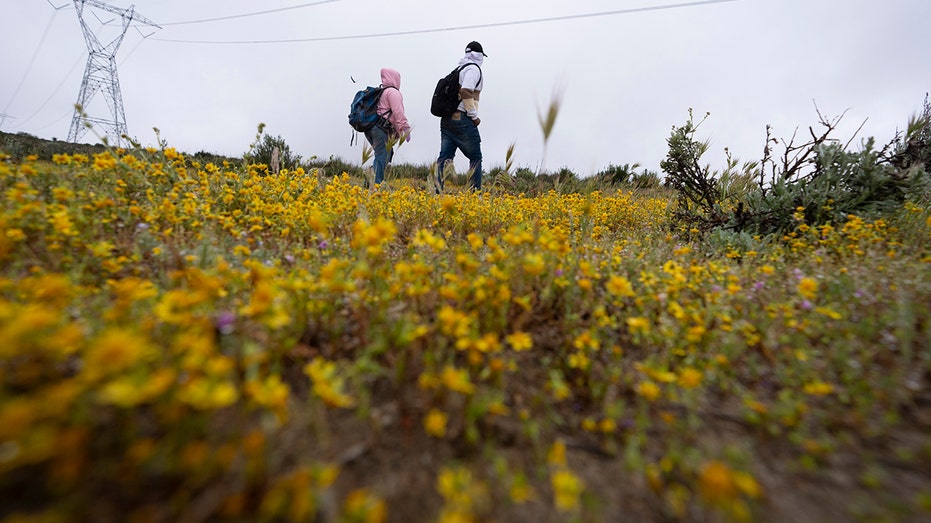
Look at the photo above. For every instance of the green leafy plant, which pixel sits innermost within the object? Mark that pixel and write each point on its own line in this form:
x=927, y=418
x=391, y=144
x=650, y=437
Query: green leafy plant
x=813, y=182
x=263, y=151
x=699, y=195
x=618, y=174
x=914, y=149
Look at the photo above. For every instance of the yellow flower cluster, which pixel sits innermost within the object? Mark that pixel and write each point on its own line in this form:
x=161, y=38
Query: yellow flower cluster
x=167, y=309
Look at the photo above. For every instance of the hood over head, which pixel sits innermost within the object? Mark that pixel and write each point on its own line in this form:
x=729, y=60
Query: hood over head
x=390, y=78
x=472, y=57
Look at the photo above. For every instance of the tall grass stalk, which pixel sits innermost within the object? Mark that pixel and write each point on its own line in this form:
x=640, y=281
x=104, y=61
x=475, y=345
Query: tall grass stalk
x=547, y=121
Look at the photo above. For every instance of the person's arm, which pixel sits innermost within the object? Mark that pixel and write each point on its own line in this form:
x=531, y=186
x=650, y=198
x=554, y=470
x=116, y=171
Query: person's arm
x=397, y=117
x=469, y=94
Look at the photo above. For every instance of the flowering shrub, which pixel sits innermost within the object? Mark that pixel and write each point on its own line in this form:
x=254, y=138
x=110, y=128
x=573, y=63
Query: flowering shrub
x=185, y=341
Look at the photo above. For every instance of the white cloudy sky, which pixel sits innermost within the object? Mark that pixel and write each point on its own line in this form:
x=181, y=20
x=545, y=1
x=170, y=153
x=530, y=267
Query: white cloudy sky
x=626, y=78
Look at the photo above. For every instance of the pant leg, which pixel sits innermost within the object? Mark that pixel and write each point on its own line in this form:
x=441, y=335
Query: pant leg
x=471, y=147
x=448, y=146
x=378, y=138
x=462, y=134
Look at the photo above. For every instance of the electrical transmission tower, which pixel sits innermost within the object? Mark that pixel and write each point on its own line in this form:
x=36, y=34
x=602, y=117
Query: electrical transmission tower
x=100, y=75
x=3, y=117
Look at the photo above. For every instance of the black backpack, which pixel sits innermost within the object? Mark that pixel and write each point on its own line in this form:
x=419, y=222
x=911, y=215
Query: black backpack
x=446, y=95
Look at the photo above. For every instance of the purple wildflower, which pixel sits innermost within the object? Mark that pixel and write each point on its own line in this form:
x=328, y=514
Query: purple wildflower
x=225, y=322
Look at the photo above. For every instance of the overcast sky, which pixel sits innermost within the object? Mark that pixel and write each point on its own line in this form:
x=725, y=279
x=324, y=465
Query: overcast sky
x=627, y=73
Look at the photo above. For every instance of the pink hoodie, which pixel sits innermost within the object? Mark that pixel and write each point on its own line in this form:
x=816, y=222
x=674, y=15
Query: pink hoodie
x=391, y=99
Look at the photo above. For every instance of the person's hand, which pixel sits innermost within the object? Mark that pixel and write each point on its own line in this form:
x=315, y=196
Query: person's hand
x=476, y=121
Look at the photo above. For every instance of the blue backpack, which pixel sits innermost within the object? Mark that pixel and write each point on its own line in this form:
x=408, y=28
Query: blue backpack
x=363, y=113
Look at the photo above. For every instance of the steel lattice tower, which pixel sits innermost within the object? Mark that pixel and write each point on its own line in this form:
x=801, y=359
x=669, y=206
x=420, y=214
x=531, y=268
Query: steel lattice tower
x=100, y=76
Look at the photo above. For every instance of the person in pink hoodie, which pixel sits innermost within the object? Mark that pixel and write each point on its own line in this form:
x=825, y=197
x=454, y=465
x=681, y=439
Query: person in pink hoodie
x=392, y=127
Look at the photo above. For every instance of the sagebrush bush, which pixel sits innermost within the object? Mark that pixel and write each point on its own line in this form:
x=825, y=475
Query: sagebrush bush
x=842, y=183
x=816, y=182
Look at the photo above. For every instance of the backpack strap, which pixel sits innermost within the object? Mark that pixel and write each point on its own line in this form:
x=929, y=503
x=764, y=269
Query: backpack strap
x=463, y=66
x=383, y=121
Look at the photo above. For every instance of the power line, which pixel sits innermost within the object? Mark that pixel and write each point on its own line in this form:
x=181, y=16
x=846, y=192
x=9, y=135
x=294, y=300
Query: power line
x=53, y=122
x=32, y=61
x=456, y=28
x=67, y=76
x=54, y=92
x=251, y=14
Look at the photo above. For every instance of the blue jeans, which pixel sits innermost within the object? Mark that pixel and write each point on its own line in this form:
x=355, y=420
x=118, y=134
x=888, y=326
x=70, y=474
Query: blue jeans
x=460, y=134
x=378, y=139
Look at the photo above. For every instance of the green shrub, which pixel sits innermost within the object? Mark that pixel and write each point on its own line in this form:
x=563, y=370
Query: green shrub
x=914, y=149
x=646, y=180
x=261, y=152
x=627, y=175
x=696, y=186
x=618, y=174
x=816, y=182
x=334, y=166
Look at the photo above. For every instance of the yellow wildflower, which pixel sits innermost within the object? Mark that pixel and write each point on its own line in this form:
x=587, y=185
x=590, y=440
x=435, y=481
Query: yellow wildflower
x=818, y=388
x=607, y=426
x=435, y=423
x=123, y=392
x=649, y=391
x=271, y=392
x=114, y=351
x=716, y=481
x=453, y=323
x=567, y=489
x=619, y=286
x=519, y=341
x=428, y=239
x=457, y=380
x=808, y=288
x=690, y=378
x=475, y=241
x=521, y=492
x=561, y=391
x=747, y=485
x=327, y=383
x=829, y=312
x=363, y=507
x=534, y=264
x=556, y=457
x=638, y=324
